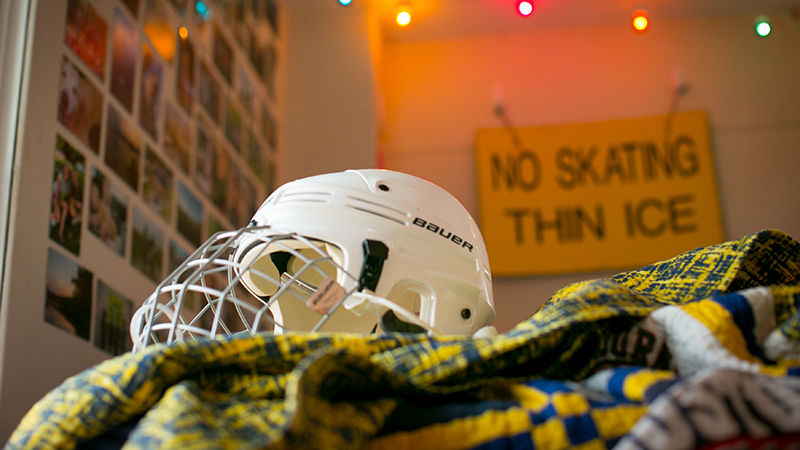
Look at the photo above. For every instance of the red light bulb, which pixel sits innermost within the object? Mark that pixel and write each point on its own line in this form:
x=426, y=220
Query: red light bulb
x=525, y=7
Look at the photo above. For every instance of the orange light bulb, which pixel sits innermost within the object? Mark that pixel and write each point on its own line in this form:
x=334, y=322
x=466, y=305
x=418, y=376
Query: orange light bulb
x=640, y=21
x=403, y=15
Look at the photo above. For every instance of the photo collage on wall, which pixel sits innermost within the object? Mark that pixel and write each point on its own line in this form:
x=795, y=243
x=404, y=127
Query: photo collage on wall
x=166, y=134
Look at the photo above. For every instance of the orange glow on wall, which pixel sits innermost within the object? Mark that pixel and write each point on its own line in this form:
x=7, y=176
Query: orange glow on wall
x=163, y=38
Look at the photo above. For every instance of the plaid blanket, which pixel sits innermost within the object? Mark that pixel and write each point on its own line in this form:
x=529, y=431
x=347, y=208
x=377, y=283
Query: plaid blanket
x=579, y=373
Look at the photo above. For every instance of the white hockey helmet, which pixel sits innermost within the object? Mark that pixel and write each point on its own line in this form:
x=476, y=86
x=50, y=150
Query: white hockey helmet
x=356, y=251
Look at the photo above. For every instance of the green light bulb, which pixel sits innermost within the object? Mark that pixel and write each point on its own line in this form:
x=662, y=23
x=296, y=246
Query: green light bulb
x=763, y=27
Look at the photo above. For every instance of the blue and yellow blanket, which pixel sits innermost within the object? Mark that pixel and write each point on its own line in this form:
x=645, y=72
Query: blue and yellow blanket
x=701, y=348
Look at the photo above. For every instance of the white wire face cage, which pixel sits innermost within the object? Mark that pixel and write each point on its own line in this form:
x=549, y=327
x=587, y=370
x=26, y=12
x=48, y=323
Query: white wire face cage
x=210, y=294
x=357, y=251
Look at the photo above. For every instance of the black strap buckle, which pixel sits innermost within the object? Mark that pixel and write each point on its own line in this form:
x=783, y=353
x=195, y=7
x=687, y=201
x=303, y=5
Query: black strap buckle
x=375, y=253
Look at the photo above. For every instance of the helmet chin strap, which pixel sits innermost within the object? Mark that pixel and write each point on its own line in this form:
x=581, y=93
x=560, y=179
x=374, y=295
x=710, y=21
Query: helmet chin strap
x=395, y=318
x=361, y=303
x=389, y=321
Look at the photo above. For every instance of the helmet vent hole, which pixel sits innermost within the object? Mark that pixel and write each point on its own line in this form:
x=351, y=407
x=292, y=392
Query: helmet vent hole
x=383, y=187
x=466, y=313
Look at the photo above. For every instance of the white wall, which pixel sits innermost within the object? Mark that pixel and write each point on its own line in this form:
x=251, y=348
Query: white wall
x=329, y=108
x=438, y=93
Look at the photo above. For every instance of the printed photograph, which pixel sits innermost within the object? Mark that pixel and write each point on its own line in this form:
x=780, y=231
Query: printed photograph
x=233, y=206
x=233, y=127
x=269, y=129
x=185, y=89
x=237, y=22
x=150, y=98
x=272, y=16
x=208, y=93
x=260, y=9
x=123, y=142
x=247, y=93
x=177, y=255
x=123, y=59
x=178, y=138
x=248, y=201
x=234, y=14
x=111, y=318
x=204, y=158
x=190, y=215
x=68, y=298
x=133, y=6
x=222, y=174
x=202, y=28
x=256, y=52
x=147, y=248
x=108, y=212
x=157, y=186
x=159, y=29
x=80, y=105
x=86, y=35
x=254, y=158
x=213, y=225
x=268, y=74
x=258, y=159
x=180, y=5
x=66, y=201
x=223, y=56
x=269, y=177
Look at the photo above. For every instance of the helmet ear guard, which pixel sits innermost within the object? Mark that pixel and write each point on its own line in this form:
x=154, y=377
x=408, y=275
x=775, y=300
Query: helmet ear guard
x=341, y=252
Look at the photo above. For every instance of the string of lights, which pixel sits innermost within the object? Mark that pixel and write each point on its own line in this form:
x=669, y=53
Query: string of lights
x=640, y=20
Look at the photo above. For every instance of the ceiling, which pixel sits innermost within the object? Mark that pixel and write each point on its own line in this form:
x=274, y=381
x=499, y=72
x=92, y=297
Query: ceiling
x=442, y=19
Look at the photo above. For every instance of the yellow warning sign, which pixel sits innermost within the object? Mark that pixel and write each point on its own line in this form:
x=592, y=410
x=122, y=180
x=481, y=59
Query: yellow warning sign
x=605, y=195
